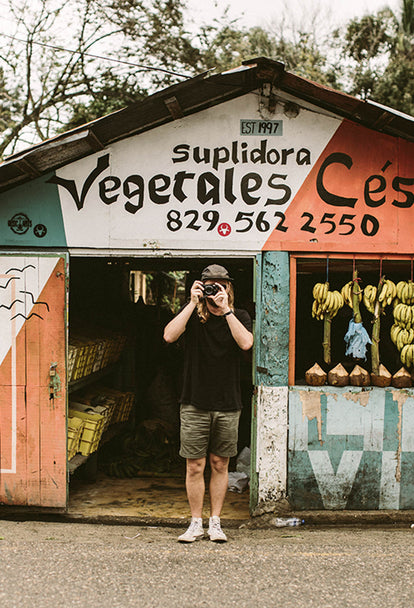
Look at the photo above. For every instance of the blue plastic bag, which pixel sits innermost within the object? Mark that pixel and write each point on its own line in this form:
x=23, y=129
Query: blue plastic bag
x=356, y=339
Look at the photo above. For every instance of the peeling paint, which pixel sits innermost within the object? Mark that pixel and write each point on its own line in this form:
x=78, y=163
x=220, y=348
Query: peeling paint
x=400, y=399
x=361, y=397
x=311, y=408
x=271, y=447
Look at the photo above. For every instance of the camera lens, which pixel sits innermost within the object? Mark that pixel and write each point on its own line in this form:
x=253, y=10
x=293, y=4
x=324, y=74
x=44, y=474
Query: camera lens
x=210, y=290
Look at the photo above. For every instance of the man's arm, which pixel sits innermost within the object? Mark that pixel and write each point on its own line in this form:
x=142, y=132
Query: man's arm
x=176, y=327
x=242, y=336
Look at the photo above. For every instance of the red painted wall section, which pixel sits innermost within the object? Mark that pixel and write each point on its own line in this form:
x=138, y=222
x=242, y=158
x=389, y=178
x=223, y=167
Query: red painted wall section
x=358, y=197
x=40, y=423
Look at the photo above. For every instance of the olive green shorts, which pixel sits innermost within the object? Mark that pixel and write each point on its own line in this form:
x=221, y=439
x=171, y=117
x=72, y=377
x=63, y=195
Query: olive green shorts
x=205, y=431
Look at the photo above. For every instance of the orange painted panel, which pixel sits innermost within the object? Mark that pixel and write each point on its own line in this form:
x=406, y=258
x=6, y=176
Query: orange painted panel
x=32, y=424
x=359, y=197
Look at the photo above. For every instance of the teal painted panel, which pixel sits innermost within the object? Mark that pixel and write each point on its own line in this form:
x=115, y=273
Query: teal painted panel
x=31, y=216
x=366, y=489
x=273, y=332
x=353, y=447
x=303, y=488
x=391, y=416
x=407, y=481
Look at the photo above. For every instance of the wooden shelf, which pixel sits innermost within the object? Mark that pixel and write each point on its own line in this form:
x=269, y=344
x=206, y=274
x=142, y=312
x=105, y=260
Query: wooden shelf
x=76, y=462
x=75, y=385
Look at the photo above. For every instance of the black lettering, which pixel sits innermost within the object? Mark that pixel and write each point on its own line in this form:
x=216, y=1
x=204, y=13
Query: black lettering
x=203, y=194
x=182, y=149
x=409, y=196
x=286, y=153
x=201, y=159
x=273, y=152
x=101, y=164
x=258, y=155
x=246, y=127
x=138, y=181
x=326, y=196
x=303, y=157
x=220, y=155
x=178, y=184
x=245, y=187
x=244, y=152
x=228, y=185
x=368, y=191
x=369, y=225
x=154, y=189
x=234, y=157
x=283, y=187
x=105, y=188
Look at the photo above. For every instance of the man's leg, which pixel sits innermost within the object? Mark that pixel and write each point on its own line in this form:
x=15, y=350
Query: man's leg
x=218, y=483
x=218, y=488
x=195, y=485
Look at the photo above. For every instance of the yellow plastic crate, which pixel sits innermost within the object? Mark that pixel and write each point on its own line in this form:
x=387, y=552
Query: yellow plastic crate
x=93, y=427
x=75, y=428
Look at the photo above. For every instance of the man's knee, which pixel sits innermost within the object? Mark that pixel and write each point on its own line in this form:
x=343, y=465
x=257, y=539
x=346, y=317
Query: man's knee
x=219, y=464
x=195, y=466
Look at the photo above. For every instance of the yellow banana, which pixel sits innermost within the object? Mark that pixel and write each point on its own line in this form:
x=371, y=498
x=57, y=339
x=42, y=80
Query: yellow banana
x=400, y=287
x=383, y=293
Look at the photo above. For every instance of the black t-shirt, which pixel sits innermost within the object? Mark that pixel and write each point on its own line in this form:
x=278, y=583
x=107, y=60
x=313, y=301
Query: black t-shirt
x=212, y=363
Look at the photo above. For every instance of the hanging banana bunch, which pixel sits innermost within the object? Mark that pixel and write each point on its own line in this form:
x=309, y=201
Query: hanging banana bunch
x=375, y=300
x=402, y=331
x=324, y=308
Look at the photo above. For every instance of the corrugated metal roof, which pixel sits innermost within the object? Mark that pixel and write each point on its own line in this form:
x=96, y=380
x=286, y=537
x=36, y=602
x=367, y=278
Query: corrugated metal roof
x=188, y=97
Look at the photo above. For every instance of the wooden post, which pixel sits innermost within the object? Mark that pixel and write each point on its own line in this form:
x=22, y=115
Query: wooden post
x=376, y=326
x=355, y=297
x=327, y=322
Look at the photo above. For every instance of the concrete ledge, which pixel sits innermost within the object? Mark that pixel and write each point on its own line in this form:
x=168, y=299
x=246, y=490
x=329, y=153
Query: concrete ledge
x=311, y=518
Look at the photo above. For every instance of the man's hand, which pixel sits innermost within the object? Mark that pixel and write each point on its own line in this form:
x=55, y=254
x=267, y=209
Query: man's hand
x=196, y=292
x=221, y=299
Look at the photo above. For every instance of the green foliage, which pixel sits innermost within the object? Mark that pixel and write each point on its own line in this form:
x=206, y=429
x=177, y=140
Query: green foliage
x=44, y=90
x=107, y=93
x=379, y=50
x=370, y=36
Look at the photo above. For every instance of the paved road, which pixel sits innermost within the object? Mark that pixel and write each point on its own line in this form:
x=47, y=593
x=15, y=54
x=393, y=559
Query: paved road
x=65, y=565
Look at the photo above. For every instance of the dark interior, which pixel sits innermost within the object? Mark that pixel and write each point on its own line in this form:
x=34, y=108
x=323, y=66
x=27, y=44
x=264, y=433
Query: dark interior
x=102, y=299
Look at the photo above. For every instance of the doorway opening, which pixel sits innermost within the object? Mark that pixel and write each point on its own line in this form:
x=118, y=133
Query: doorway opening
x=124, y=383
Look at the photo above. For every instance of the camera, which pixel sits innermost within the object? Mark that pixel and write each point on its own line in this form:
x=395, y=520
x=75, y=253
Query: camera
x=210, y=290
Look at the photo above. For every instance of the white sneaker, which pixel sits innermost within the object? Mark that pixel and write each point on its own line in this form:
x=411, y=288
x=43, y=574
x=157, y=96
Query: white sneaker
x=214, y=530
x=194, y=532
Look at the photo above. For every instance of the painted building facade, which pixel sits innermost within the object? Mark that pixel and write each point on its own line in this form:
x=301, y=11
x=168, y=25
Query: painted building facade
x=270, y=173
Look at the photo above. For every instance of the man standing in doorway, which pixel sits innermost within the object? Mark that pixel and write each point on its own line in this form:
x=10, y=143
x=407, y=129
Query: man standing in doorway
x=215, y=333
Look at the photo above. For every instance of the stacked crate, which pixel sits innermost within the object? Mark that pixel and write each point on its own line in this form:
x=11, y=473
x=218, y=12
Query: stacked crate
x=75, y=428
x=92, y=428
x=88, y=354
x=95, y=409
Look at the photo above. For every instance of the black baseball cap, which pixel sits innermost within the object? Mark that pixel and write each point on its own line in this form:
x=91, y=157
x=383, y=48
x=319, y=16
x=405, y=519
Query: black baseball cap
x=215, y=272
